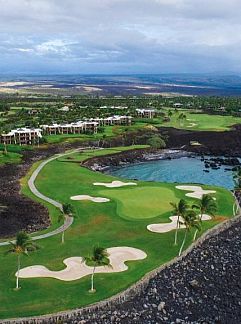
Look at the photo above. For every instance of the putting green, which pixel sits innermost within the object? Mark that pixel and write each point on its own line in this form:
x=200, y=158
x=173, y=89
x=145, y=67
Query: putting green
x=141, y=202
x=121, y=222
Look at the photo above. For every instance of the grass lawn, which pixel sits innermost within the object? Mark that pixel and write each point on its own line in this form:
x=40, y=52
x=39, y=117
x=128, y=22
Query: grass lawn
x=16, y=148
x=120, y=222
x=135, y=203
x=10, y=157
x=203, y=122
x=109, y=132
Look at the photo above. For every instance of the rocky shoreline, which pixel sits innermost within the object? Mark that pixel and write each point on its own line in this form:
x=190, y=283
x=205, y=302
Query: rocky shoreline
x=20, y=213
x=32, y=216
x=104, y=163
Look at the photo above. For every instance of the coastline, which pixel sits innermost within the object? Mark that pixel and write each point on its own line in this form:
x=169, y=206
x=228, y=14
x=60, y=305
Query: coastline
x=133, y=290
x=105, y=163
x=135, y=157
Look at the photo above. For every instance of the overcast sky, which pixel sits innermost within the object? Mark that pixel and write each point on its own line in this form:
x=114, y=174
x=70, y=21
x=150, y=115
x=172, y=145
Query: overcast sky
x=120, y=36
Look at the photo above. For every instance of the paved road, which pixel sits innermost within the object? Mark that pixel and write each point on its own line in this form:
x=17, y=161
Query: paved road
x=31, y=183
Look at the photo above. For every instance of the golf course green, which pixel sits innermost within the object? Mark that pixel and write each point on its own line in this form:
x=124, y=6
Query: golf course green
x=202, y=122
x=120, y=222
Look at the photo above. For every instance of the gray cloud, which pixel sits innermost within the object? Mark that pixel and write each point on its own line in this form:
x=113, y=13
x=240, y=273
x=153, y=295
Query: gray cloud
x=120, y=35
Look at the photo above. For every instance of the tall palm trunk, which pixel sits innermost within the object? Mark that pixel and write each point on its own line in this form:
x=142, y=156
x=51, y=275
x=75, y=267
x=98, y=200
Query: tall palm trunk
x=178, y=225
x=183, y=242
x=5, y=149
x=17, y=277
x=196, y=231
x=62, y=239
x=92, y=280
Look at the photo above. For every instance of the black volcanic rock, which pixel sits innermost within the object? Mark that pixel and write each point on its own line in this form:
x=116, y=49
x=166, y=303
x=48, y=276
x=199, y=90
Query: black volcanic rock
x=227, y=143
x=204, y=287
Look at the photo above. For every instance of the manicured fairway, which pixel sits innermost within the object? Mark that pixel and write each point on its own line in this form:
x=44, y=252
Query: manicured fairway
x=202, y=122
x=120, y=222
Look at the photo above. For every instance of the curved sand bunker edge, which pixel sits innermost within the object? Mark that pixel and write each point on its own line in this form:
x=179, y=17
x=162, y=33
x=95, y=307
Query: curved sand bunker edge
x=167, y=227
x=90, y=198
x=197, y=191
x=76, y=268
x=114, y=184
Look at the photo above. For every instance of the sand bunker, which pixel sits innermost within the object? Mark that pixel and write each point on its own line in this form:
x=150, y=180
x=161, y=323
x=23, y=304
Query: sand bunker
x=86, y=197
x=114, y=184
x=167, y=227
x=76, y=268
x=192, y=125
x=198, y=192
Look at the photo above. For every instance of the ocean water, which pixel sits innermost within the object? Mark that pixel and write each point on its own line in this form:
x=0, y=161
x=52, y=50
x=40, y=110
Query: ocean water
x=181, y=170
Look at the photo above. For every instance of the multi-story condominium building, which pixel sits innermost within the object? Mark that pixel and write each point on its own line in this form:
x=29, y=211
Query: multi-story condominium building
x=177, y=105
x=31, y=136
x=72, y=128
x=113, y=120
x=146, y=113
x=114, y=107
x=22, y=136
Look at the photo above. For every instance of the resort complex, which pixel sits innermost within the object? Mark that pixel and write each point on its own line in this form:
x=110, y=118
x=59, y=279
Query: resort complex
x=120, y=162
x=31, y=136
x=96, y=221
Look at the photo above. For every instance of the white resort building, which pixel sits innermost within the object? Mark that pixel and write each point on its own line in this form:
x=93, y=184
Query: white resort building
x=113, y=107
x=22, y=136
x=113, y=120
x=31, y=136
x=72, y=128
x=146, y=113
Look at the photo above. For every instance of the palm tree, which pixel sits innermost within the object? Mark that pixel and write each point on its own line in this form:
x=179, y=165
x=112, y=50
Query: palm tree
x=190, y=220
x=67, y=210
x=21, y=246
x=181, y=118
x=169, y=113
x=99, y=257
x=237, y=179
x=179, y=210
x=5, y=151
x=206, y=205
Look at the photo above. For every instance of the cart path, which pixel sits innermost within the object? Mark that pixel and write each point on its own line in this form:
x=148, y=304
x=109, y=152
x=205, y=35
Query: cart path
x=31, y=184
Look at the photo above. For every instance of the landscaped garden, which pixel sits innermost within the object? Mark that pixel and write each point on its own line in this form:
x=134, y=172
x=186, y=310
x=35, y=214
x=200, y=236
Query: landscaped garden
x=120, y=222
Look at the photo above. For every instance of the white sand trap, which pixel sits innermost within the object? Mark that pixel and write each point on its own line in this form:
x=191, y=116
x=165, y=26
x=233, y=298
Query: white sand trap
x=192, y=125
x=76, y=268
x=114, y=184
x=167, y=227
x=198, y=192
x=86, y=197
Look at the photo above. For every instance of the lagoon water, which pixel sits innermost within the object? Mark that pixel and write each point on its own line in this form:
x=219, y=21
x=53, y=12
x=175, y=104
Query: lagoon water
x=182, y=170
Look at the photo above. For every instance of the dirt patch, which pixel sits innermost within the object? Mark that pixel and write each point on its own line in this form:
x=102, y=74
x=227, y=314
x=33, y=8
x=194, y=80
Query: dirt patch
x=220, y=218
x=98, y=220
